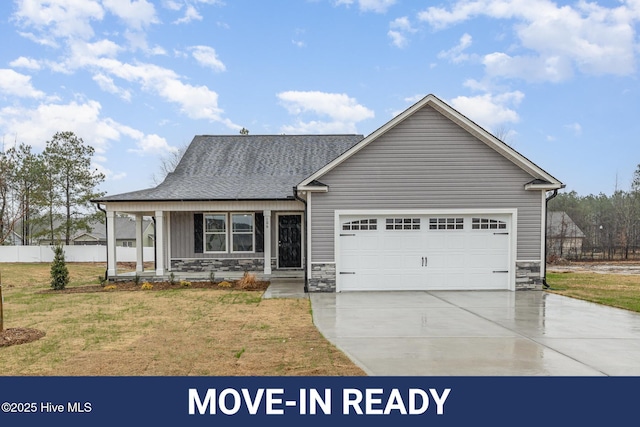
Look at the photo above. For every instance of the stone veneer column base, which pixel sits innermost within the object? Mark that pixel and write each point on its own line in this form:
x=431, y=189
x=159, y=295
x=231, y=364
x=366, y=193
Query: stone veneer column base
x=323, y=278
x=528, y=276
x=217, y=264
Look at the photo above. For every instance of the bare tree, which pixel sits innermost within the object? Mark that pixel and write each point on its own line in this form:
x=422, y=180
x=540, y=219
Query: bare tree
x=168, y=163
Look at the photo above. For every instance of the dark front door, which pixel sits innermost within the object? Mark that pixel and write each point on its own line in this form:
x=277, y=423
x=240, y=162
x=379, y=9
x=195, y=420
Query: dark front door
x=290, y=241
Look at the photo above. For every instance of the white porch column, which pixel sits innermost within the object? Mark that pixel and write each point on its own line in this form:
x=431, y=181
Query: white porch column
x=111, y=243
x=159, y=243
x=267, y=242
x=139, y=244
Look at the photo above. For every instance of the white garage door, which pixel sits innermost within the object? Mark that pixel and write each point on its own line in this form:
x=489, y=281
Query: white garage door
x=423, y=252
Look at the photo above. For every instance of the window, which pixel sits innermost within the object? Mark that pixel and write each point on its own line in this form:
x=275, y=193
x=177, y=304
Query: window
x=403, y=224
x=487, y=224
x=127, y=244
x=215, y=232
x=362, y=224
x=446, y=223
x=242, y=232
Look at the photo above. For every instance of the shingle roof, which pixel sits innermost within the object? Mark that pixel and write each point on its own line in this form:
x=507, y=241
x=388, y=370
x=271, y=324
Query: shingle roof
x=260, y=167
x=559, y=224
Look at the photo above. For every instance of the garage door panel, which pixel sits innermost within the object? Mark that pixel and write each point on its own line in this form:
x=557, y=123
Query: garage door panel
x=426, y=254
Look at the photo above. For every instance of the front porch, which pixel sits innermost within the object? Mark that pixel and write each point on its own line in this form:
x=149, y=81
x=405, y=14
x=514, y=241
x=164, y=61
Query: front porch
x=196, y=239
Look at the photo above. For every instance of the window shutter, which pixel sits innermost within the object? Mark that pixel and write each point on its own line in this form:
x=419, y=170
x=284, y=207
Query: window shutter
x=198, y=233
x=259, y=227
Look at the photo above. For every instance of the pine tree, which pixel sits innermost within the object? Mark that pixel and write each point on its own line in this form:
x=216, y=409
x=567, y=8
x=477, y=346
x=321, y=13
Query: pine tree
x=59, y=271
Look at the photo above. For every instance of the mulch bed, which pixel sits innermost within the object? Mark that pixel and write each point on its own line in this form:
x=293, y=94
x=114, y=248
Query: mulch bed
x=14, y=336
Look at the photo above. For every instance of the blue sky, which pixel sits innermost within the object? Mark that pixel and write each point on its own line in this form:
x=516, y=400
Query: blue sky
x=137, y=79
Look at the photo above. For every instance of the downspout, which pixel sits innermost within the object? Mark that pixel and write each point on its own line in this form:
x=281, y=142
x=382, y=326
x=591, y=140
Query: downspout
x=545, y=285
x=306, y=257
x=106, y=230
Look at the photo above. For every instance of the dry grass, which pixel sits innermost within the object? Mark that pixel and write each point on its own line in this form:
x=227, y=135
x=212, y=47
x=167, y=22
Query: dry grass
x=204, y=332
x=616, y=290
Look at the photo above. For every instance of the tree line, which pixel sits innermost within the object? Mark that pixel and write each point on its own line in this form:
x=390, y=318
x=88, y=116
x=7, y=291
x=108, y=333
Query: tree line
x=47, y=195
x=611, y=224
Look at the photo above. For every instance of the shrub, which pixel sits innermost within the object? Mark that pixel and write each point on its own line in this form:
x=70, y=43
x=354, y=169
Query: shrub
x=185, y=283
x=212, y=277
x=59, y=270
x=110, y=288
x=247, y=281
x=136, y=279
x=146, y=286
x=224, y=284
x=172, y=278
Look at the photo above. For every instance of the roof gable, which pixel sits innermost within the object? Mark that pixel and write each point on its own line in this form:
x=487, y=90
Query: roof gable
x=541, y=180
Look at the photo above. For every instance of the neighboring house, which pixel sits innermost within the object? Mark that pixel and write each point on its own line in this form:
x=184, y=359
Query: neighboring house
x=564, y=237
x=428, y=201
x=124, y=230
x=97, y=234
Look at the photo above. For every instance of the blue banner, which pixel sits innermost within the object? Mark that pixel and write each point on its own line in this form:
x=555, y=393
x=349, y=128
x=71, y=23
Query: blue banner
x=318, y=401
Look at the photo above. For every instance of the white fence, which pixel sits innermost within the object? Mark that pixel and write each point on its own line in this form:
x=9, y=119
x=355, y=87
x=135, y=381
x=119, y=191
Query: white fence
x=78, y=253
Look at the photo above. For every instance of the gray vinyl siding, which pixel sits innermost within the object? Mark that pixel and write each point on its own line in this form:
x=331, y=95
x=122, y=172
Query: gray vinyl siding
x=426, y=162
x=182, y=239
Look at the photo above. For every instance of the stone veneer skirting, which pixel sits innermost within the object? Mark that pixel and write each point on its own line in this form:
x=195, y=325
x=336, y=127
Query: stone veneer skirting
x=323, y=278
x=528, y=276
x=219, y=264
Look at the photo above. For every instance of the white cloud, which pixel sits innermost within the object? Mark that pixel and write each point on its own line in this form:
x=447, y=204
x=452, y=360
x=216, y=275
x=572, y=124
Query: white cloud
x=576, y=128
x=59, y=18
x=107, y=84
x=153, y=144
x=206, y=56
x=490, y=111
x=16, y=84
x=456, y=54
x=398, y=39
x=379, y=6
x=342, y=111
x=137, y=14
x=36, y=126
x=530, y=68
x=588, y=37
x=399, y=27
x=24, y=62
x=191, y=14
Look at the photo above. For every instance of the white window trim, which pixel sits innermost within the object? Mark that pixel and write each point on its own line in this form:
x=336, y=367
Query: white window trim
x=204, y=232
x=231, y=233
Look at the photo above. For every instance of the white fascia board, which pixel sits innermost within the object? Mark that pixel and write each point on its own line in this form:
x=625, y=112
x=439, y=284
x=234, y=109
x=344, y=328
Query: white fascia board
x=449, y=112
x=313, y=188
x=546, y=187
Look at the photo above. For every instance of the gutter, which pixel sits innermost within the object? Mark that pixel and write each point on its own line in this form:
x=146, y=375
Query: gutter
x=545, y=285
x=306, y=258
x=106, y=230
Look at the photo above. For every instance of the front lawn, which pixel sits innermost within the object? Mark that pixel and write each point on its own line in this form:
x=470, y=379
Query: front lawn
x=616, y=290
x=182, y=331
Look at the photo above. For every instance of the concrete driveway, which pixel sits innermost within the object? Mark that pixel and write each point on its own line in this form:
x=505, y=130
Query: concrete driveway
x=479, y=333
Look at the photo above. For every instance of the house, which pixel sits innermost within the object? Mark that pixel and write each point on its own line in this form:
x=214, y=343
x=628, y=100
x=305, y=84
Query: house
x=430, y=200
x=96, y=235
x=124, y=229
x=564, y=237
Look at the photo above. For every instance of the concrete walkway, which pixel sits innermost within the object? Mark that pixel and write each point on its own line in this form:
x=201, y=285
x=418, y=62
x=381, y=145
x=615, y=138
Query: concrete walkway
x=285, y=288
x=481, y=333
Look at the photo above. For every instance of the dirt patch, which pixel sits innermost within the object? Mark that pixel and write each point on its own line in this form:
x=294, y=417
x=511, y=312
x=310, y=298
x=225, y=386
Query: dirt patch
x=15, y=336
